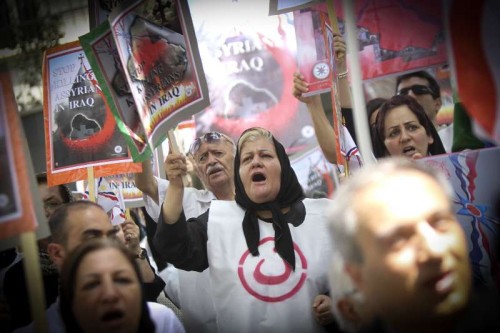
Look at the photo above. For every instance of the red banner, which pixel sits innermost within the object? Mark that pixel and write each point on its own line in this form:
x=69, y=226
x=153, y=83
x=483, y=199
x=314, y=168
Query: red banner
x=397, y=35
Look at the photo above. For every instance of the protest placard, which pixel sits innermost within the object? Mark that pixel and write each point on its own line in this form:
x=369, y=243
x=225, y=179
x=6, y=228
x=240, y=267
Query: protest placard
x=80, y=130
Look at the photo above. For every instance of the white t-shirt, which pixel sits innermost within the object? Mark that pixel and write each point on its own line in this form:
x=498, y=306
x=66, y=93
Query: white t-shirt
x=262, y=293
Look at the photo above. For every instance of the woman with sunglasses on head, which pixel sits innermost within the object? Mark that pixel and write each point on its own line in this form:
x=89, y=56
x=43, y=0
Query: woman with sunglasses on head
x=403, y=128
x=265, y=251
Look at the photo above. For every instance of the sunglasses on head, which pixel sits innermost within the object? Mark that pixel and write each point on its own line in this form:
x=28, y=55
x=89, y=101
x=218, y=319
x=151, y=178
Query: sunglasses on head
x=417, y=89
x=209, y=137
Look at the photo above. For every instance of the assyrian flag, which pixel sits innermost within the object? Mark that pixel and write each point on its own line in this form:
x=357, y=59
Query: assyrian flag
x=117, y=216
x=473, y=30
x=477, y=214
x=350, y=151
x=111, y=200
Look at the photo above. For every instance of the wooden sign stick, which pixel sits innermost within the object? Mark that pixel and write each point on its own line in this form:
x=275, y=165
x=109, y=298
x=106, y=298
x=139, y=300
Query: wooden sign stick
x=33, y=274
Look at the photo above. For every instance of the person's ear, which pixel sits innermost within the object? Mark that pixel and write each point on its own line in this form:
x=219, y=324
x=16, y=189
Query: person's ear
x=56, y=253
x=438, y=102
x=431, y=139
x=347, y=310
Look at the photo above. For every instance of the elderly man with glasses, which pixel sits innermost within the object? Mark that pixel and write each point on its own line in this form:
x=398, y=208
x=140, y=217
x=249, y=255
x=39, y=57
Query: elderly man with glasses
x=213, y=157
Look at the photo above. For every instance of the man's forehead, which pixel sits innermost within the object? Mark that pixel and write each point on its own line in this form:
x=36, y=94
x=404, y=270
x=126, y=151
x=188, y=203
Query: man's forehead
x=401, y=196
x=89, y=216
x=213, y=146
x=413, y=80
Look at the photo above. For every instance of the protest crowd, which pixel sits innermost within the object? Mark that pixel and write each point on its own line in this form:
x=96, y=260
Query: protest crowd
x=230, y=233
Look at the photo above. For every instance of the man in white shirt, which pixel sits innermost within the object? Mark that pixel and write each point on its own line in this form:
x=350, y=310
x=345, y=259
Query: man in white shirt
x=213, y=155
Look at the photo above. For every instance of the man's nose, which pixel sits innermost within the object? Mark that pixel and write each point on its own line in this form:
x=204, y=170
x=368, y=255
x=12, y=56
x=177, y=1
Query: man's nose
x=430, y=245
x=212, y=159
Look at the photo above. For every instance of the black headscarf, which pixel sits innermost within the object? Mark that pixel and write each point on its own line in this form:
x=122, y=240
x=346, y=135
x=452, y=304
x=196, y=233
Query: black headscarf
x=290, y=193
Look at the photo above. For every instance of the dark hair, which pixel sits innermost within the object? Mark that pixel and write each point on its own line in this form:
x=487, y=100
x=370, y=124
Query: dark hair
x=433, y=85
x=373, y=105
x=59, y=219
x=64, y=190
x=68, y=280
x=379, y=148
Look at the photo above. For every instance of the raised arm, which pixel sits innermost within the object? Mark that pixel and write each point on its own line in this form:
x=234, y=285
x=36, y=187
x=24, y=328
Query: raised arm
x=175, y=168
x=146, y=182
x=179, y=242
x=322, y=127
x=153, y=285
x=344, y=91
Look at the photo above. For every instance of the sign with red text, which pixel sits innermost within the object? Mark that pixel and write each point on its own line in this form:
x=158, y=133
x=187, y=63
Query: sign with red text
x=80, y=130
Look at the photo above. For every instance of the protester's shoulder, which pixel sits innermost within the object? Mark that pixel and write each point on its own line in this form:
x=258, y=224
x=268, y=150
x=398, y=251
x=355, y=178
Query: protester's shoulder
x=317, y=204
x=14, y=273
x=225, y=206
x=164, y=318
x=199, y=195
x=25, y=329
x=159, y=309
x=482, y=314
x=54, y=321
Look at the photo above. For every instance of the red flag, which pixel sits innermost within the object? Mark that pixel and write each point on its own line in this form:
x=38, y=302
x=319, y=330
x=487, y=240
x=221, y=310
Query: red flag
x=397, y=35
x=476, y=57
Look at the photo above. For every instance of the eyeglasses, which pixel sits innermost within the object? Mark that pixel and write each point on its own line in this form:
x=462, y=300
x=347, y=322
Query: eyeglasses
x=417, y=89
x=209, y=137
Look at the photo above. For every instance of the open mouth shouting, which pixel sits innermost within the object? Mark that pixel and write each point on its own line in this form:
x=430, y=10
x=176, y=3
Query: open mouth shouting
x=112, y=317
x=258, y=177
x=411, y=152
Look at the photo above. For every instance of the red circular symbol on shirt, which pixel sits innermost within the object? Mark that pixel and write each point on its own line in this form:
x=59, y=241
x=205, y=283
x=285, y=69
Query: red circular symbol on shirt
x=271, y=279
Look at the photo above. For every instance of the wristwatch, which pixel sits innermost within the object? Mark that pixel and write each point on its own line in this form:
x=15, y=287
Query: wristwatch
x=142, y=255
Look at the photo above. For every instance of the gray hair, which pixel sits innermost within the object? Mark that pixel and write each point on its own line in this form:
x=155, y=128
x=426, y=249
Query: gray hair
x=253, y=134
x=343, y=216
